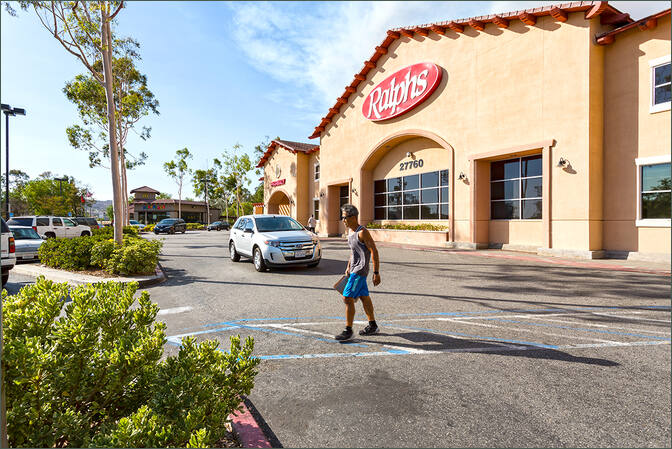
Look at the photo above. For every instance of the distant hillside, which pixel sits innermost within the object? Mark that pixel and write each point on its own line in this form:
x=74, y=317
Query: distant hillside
x=99, y=208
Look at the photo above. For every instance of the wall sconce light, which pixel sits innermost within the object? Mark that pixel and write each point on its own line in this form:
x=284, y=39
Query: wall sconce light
x=563, y=163
x=291, y=201
x=354, y=191
x=462, y=177
x=321, y=194
x=411, y=155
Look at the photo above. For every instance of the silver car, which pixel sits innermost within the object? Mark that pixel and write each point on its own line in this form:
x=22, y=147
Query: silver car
x=273, y=241
x=27, y=242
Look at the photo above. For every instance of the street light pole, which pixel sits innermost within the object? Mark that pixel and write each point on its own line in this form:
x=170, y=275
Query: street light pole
x=8, y=110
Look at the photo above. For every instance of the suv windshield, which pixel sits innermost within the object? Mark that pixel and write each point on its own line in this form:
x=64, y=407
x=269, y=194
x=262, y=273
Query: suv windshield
x=168, y=221
x=20, y=221
x=271, y=224
x=25, y=234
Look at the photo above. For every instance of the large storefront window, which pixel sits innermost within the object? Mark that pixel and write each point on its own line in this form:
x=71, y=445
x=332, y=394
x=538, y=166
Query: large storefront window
x=515, y=189
x=655, y=191
x=417, y=197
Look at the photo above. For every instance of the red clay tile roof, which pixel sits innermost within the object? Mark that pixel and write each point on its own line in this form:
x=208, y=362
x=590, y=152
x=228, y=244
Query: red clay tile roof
x=647, y=23
x=294, y=147
x=608, y=15
x=145, y=189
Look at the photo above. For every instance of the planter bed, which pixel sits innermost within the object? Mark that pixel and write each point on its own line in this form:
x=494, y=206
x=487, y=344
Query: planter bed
x=411, y=237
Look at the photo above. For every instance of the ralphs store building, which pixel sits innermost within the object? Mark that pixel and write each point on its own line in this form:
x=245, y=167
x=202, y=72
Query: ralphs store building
x=544, y=130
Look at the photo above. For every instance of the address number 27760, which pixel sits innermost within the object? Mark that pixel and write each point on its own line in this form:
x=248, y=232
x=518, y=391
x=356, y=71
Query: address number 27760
x=411, y=164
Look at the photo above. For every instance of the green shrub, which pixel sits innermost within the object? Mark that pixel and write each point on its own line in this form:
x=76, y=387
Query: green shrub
x=136, y=256
x=68, y=254
x=101, y=252
x=195, y=226
x=89, y=372
x=406, y=227
x=149, y=228
x=108, y=232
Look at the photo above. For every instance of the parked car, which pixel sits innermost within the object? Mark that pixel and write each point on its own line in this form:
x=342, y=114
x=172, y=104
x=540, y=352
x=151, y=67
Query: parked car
x=137, y=224
x=273, y=241
x=170, y=226
x=27, y=241
x=7, y=251
x=50, y=227
x=87, y=221
x=218, y=226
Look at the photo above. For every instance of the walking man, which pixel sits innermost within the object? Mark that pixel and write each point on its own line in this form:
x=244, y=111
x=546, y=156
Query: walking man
x=363, y=249
x=311, y=224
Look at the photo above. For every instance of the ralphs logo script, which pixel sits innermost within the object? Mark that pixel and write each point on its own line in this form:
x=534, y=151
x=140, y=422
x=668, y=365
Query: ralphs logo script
x=402, y=91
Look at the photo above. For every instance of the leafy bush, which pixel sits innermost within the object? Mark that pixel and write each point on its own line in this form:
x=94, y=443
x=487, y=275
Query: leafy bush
x=108, y=232
x=69, y=254
x=135, y=256
x=406, y=227
x=101, y=252
x=149, y=228
x=89, y=372
x=195, y=226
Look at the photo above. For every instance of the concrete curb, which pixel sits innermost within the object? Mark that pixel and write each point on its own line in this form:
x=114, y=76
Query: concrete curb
x=73, y=278
x=247, y=429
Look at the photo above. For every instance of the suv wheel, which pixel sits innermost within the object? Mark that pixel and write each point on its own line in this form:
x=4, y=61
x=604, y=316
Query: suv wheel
x=86, y=234
x=259, y=263
x=235, y=257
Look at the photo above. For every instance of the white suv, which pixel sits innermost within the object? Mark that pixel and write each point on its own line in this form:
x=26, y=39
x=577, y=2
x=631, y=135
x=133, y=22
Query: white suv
x=7, y=251
x=52, y=226
x=273, y=241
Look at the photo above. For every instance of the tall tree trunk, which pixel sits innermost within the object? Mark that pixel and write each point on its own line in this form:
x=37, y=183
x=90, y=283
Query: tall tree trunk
x=179, y=199
x=106, y=41
x=124, y=184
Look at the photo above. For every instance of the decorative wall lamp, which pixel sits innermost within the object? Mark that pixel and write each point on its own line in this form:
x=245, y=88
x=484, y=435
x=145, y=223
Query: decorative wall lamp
x=411, y=155
x=563, y=163
x=462, y=177
x=354, y=191
x=322, y=195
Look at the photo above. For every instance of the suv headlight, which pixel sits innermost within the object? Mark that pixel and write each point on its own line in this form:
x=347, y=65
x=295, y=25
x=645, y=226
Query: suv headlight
x=274, y=243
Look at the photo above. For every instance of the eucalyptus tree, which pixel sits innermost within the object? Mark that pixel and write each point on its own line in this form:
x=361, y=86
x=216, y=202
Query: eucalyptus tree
x=133, y=101
x=236, y=165
x=84, y=29
x=178, y=169
x=206, y=184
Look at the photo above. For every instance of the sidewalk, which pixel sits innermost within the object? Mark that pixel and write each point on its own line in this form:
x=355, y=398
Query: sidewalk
x=80, y=278
x=638, y=266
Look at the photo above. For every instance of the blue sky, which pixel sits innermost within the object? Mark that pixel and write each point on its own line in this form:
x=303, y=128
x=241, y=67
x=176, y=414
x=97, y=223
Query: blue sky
x=223, y=72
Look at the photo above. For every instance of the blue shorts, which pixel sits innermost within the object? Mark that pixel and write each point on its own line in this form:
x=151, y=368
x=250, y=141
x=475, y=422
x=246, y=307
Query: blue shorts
x=356, y=286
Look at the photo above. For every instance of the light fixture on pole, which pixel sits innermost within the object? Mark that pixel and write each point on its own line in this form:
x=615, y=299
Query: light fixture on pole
x=8, y=110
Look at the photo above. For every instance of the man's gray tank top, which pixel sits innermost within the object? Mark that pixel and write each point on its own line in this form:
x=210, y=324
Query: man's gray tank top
x=359, y=259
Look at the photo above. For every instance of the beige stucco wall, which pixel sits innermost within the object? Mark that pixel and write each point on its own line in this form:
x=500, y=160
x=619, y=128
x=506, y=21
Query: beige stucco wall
x=500, y=89
x=631, y=132
x=287, y=161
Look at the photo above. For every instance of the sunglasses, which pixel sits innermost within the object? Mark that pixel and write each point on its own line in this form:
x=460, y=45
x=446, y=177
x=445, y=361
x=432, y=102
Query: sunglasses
x=343, y=217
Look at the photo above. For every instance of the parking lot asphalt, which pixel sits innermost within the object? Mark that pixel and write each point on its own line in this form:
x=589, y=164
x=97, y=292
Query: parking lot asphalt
x=473, y=351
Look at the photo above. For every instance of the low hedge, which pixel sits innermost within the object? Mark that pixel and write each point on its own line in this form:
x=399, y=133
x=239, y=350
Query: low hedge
x=84, y=367
x=149, y=228
x=406, y=227
x=134, y=256
x=108, y=232
x=195, y=226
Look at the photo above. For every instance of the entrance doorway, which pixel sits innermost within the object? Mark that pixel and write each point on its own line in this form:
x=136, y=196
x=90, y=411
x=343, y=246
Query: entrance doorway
x=279, y=204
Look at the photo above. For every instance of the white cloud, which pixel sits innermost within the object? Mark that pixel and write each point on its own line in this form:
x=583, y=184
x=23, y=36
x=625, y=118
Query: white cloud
x=318, y=47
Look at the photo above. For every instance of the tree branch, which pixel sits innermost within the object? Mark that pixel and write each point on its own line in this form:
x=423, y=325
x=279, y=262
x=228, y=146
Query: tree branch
x=121, y=5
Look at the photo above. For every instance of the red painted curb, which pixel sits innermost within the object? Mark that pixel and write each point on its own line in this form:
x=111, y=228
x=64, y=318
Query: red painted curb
x=248, y=431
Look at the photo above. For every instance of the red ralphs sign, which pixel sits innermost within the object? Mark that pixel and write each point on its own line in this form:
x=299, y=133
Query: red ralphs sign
x=402, y=91
x=279, y=182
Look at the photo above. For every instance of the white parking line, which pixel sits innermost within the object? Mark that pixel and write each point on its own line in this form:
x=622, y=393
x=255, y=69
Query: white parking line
x=600, y=325
x=174, y=310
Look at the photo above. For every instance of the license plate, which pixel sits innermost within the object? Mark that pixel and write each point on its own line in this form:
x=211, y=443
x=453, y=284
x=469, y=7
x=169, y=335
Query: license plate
x=299, y=254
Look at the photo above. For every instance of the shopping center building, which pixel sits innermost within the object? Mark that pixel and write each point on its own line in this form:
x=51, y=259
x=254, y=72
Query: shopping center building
x=147, y=209
x=543, y=130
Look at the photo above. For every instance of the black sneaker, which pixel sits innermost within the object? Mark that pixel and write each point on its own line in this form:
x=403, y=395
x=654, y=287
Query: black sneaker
x=345, y=335
x=369, y=330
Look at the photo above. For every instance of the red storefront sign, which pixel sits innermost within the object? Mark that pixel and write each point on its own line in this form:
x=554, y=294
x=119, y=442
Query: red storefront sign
x=279, y=182
x=402, y=91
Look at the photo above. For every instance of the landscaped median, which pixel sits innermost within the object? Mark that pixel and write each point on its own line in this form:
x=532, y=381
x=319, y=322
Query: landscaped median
x=98, y=258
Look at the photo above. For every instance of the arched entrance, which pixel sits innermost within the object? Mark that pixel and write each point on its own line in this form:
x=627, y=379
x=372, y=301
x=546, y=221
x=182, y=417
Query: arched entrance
x=390, y=144
x=279, y=203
